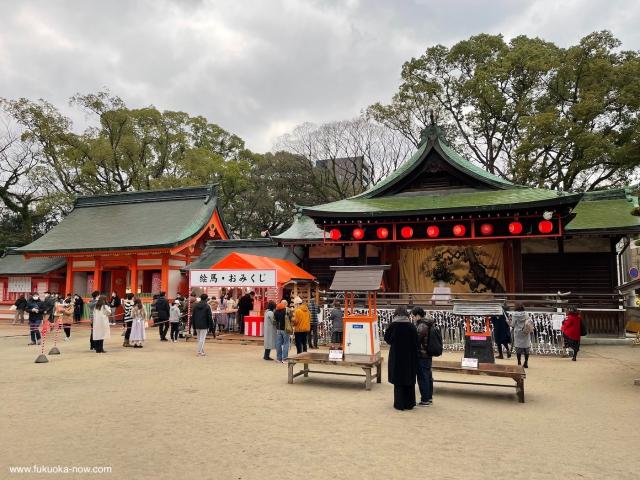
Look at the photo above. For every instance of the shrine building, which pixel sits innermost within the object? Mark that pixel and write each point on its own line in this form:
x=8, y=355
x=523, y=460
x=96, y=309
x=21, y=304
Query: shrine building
x=441, y=220
x=128, y=242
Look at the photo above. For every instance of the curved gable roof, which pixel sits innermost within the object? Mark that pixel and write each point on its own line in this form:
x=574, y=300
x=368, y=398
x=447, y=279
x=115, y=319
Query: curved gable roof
x=132, y=220
x=432, y=140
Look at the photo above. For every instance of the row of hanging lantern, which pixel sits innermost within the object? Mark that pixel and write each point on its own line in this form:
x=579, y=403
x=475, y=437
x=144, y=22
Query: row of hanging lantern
x=545, y=227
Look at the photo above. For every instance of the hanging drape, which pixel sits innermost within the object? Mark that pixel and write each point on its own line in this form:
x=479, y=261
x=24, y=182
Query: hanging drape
x=463, y=268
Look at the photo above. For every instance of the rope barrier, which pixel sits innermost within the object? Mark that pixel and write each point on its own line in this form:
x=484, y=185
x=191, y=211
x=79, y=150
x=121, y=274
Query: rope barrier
x=55, y=350
x=42, y=358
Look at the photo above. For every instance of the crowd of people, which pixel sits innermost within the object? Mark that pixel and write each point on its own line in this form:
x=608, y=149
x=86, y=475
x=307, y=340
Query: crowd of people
x=415, y=339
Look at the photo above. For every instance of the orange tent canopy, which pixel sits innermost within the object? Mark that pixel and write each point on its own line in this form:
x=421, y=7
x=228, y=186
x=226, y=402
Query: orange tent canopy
x=285, y=270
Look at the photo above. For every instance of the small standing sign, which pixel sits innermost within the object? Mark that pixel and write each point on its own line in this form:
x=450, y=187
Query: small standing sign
x=336, y=354
x=469, y=363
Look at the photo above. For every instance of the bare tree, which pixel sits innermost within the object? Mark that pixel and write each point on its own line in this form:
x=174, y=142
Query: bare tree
x=19, y=193
x=346, y=157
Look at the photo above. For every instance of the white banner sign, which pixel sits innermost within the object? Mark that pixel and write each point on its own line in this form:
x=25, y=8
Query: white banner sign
x=233, y=278
x=19, y=284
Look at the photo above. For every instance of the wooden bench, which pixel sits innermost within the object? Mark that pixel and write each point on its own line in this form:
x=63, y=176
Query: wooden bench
x=366, y=362
x=515, y=372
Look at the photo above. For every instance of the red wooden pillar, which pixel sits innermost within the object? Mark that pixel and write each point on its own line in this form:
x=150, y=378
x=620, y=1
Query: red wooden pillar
x=164, y=276
x=97, y=275
x=134, y=275
x=69, y=280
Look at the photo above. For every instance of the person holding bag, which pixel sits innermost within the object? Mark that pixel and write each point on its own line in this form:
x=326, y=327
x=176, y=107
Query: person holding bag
x=522, y=330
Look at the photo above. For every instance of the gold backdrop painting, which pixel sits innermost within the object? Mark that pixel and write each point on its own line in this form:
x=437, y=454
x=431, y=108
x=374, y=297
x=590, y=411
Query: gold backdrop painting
x=463, y=268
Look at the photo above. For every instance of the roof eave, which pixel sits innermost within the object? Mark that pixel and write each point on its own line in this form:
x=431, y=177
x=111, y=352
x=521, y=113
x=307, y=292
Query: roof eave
x=569, y=199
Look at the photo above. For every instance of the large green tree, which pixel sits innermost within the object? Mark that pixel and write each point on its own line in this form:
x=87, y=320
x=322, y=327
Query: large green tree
x=527, y=109
x=139, y=149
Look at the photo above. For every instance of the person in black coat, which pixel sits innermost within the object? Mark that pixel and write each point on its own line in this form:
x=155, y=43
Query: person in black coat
x=162, y=311
x=202, y=320
x=501, y=334
x=78, y=306
x=403, y=359
x=36, y=308
x=245, y=305
x=21, y=305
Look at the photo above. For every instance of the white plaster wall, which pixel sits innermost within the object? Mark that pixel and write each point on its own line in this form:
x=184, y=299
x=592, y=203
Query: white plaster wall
x=174, y=282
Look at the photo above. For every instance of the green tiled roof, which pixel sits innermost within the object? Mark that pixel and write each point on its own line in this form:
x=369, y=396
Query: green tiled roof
x=433, y=140
x=153, y=219
x=609, y=214
x=472, y=168
x=216, y=250
x=303, y=228
x=15, y=264
x=434, y=203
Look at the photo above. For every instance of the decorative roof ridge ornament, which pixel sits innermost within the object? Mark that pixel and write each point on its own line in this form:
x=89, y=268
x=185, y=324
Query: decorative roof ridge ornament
x=433, y=131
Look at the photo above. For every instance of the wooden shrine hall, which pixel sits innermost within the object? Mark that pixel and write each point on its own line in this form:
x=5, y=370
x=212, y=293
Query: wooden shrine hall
x=440, y=220
x=132, y=242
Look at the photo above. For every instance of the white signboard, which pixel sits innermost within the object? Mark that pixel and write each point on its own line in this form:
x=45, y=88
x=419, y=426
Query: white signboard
x=335, y=354
x=556, y=320
x=19, y=284
x=469, y=363
x=233, y=278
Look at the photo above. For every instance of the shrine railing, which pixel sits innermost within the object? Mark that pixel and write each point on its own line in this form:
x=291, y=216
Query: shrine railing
x=604, y=315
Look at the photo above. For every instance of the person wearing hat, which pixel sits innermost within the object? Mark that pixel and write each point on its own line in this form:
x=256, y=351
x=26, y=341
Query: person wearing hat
x=301, y=324
x=283, y=330
x=174, y=320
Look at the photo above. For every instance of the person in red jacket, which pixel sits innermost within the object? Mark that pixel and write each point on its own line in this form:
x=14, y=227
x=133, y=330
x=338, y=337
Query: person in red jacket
x=572, y=330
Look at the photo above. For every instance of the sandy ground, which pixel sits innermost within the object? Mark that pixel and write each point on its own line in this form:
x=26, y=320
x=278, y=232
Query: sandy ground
x=161, y=412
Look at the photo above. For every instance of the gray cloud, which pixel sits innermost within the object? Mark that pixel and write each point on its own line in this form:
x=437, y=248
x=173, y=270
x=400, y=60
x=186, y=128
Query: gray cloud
x=260, y=67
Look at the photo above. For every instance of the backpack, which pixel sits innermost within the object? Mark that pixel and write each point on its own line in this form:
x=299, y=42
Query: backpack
x=583, y=328
x=434, y=342
x=527, y=328
x=288, y=328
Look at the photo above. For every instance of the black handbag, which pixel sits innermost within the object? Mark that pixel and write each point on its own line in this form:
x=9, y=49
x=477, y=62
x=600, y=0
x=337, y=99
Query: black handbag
x=583, y=329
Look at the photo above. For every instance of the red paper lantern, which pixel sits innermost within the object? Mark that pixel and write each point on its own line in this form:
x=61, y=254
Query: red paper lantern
x=335, y=234
x=406, y=232
x=358, y=233
x=459, y=230
x=515, y=228
x=545, y=226
x=433, y=231
x=486, y=229
x=382, y=233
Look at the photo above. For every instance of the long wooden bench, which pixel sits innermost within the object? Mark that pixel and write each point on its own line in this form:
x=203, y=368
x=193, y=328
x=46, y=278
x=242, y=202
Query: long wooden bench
x=515, y=372
x=366, y=362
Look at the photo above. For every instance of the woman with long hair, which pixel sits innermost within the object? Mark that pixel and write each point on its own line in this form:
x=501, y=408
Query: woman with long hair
x=101, y=330
x=138, y=319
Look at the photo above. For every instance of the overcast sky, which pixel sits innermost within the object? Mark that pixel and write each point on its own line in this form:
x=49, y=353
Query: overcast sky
x=259, y=68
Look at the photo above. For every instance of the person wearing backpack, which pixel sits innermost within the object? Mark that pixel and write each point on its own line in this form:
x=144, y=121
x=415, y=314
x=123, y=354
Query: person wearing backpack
x=429, y=346
x=522, y=329
x=282, y=336
x=572, y=329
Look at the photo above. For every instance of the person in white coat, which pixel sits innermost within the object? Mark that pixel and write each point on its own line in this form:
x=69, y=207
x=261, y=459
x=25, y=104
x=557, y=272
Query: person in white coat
x=269, y=330
x=101, y=329
x=139, y=317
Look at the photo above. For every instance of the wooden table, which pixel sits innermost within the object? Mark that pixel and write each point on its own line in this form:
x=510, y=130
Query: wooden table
x=366, y=362
x=515, y=372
